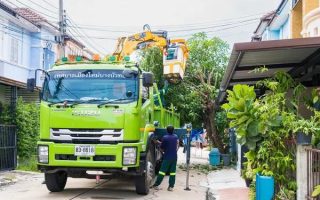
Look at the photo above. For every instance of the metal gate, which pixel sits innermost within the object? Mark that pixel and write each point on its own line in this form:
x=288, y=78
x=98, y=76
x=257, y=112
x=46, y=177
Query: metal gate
x=8, y=147
x=313, y=171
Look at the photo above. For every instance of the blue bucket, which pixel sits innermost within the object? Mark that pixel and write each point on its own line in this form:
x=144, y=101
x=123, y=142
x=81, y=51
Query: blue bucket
x=214, y=157
x=264, y=187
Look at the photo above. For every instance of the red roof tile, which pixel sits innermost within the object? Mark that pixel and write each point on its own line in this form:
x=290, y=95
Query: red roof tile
x=30, y=15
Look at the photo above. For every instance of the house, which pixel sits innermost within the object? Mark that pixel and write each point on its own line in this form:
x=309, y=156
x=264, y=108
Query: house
x=28, y=41
x=19, y=39
x=276, y=24
x=292, y=19
x=305, y=18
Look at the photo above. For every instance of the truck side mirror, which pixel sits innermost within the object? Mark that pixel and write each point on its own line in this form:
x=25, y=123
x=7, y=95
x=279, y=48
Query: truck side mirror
x=148, y=79
x=31, y=84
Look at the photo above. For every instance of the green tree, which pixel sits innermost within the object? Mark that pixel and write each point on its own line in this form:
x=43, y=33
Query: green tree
x=194, y=97
x=207, y=61
x=152, y=61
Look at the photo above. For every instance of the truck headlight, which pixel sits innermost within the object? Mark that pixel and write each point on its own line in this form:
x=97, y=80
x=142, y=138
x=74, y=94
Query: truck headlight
x=129, y=155
x=43, y=154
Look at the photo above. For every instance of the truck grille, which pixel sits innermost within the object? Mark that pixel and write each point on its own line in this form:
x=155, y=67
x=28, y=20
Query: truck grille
x=86, y=135
x=95, y=158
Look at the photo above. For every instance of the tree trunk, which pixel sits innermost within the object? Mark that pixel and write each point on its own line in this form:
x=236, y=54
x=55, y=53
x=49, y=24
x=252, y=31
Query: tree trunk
x=211, y=127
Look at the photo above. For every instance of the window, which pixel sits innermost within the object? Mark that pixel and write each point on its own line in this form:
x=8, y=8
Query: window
x=14, y=56
x=172, y=54
x=90, y=85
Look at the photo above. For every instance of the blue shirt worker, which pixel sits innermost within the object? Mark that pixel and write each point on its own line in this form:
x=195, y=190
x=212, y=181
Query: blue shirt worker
x=169, y=145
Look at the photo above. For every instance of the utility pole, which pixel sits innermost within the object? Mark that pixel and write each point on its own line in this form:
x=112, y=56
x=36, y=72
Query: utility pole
x=62, y=28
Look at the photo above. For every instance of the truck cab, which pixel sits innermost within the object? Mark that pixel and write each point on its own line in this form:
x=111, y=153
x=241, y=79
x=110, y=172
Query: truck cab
x=97, y=120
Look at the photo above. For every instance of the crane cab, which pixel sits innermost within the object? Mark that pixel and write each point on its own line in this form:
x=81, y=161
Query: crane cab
x=174, y=62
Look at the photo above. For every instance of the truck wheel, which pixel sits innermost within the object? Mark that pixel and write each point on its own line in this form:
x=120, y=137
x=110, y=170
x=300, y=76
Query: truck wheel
x=146, y=180
x=56, y=181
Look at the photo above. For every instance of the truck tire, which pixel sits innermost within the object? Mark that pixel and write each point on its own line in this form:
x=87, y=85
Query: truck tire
x=56, y=181
x=146, y=180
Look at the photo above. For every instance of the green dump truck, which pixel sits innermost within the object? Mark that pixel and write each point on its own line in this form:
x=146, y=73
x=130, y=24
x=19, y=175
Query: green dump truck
x=97, y=121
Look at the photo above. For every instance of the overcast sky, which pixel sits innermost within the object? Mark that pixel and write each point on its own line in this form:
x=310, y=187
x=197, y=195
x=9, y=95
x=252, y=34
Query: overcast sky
x=105, y=20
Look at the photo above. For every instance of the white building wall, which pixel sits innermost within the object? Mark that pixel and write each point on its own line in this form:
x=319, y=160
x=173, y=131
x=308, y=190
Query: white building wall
x=311, y=24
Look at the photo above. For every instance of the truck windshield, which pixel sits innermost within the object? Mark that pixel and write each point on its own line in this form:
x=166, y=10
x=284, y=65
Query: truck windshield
x=90, y=86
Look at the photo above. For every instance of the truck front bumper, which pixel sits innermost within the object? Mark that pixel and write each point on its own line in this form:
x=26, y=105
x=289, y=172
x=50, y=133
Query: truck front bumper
x=107, y=156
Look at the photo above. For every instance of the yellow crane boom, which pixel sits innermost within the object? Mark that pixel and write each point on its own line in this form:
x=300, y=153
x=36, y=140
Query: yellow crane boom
x=175, y=51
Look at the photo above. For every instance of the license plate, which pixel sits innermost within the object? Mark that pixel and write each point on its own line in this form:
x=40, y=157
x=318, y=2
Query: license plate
x=84, y=150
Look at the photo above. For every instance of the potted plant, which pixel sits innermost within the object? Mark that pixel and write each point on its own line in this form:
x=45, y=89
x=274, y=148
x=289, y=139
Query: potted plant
x=304, y=130
x=248, y=173
x=226, y=158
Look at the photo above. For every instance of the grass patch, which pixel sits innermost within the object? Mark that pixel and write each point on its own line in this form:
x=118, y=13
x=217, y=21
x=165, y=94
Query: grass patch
x=28, y=164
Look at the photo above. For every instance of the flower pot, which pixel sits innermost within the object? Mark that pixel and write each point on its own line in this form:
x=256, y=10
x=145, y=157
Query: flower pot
x=303, y=139
x=226, y=159
x=248, y=182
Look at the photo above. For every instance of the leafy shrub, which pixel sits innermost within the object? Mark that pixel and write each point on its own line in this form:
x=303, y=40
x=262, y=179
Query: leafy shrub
x=27, y=122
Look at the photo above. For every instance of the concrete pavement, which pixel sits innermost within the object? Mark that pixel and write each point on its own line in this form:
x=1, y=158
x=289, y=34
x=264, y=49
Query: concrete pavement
x=224, y=184
x=28, y=186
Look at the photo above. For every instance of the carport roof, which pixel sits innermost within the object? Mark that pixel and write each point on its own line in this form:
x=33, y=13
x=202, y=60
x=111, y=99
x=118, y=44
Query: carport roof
x=299, y=57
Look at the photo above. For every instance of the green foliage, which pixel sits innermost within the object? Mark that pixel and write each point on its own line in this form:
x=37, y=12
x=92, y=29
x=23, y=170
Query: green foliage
x=26, y=119
x=267, y=126
x=308, y=127
x=6, y=116
x=222, y=125
x=152, y=61
x=27, y=122
x=205, y=68
x=316, y=191
x=242, y=110
x=28, y=164
x=194, y=96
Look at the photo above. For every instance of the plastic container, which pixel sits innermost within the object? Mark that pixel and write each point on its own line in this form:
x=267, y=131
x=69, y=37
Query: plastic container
x=303, y=139
x=214, y=157
x=264, y=187
x=226, y=159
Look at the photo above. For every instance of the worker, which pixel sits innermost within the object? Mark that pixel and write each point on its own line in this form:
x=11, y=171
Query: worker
x=169, y=147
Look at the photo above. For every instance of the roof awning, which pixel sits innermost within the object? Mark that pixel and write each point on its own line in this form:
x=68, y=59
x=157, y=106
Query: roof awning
x=299, y=57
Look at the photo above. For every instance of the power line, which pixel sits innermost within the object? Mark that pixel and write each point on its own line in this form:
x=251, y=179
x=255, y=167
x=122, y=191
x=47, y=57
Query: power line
x=102, y=30
x=39, y=5
x=214, y=26
x=53, y=6
x=84, y=41
x=125, y=28
x=217, y=30
x=227, y=27
x=22, y=32
x=86, y=38
x=96, y=37
x=50, y=16
x=214, y=22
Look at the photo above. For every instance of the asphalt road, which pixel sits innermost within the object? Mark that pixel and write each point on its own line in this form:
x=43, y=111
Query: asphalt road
x=28, y=186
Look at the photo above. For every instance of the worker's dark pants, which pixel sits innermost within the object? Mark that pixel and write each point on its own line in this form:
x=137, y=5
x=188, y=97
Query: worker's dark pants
x=167, y=166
